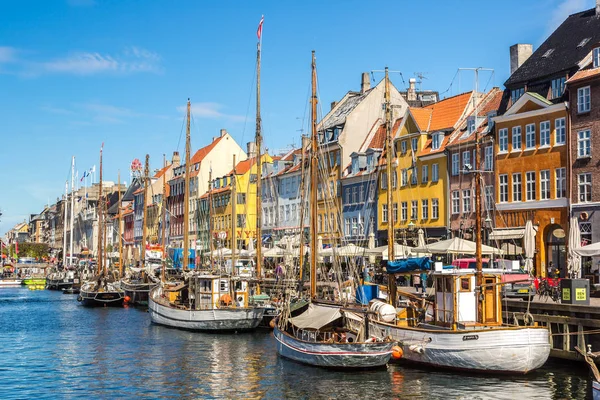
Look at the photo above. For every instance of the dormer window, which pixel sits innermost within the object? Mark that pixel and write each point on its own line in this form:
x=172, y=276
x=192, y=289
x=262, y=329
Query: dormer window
x=471, y=125
x=516, y=94
x=370, y=162
x=596, y=57
x=548, y=53
x=436, y=140
x=490, y=119
x=354, y=165
x=558, y=87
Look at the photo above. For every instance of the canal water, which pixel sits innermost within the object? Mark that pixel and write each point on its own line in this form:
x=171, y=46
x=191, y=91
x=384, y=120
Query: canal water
x=52, y=347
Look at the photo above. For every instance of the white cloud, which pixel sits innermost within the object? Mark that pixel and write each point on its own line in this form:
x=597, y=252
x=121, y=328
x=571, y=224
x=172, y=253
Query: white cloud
x=566, y=8
x=209, y=110
x=7, y=54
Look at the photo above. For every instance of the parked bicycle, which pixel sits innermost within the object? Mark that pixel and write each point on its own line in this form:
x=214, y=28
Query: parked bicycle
x=548, y=288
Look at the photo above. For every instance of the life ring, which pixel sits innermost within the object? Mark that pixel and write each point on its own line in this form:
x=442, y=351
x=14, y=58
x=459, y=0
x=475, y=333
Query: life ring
x=225, y=300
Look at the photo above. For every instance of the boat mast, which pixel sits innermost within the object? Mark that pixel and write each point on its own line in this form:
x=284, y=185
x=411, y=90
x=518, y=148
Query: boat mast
x=164, y=216
x=313, y=183
x=258, y=144
x=65, y=211
x=100, y=222
x=210, y=222
x=233, y=218
x=186, y=193
x=72, y=210
x=120, y=217
x=144, y=221
x=302, y=202
x=389, y=155
x=477, y=171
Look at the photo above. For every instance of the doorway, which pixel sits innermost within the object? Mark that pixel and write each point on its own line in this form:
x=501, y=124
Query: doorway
x=556, y=250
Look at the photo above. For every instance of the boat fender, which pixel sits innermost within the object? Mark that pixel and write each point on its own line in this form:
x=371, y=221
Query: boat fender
x=372, y=339
x=416, y=348
x=79, y=298
x=528, y=318
x=397, y=352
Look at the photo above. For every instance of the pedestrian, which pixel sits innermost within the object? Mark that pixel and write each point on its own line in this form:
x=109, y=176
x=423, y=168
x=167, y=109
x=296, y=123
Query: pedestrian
x=423, y=281
x=278, y=272
x=416, y=282
x=550, y=269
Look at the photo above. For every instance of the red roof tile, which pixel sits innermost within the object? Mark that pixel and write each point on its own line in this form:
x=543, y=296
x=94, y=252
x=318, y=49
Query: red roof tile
x=444, y=114
x=584, y=74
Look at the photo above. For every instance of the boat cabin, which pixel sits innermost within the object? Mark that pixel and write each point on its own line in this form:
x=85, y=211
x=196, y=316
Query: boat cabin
x=456, y=298
x=207, y=292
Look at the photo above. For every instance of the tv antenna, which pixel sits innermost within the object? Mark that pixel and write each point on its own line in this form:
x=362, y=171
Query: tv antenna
x=420, y=76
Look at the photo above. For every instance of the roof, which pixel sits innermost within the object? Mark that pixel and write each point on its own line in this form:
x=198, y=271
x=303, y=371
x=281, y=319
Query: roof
x=422, y=117
x=584, y=74
x=162, y=171
x=563, y=42
x=447, y=112
x=243, y=166
x=201, y=154
x=337, y=116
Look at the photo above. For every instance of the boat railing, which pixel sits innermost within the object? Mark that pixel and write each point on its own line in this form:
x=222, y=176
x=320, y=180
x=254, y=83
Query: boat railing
x=313, y=336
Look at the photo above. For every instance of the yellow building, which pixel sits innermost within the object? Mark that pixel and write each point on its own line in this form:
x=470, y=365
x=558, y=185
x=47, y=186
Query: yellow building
x=420, y=171
x=245, y=183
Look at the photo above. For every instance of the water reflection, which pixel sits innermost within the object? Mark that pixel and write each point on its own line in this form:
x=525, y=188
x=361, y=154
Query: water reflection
x=53, y=347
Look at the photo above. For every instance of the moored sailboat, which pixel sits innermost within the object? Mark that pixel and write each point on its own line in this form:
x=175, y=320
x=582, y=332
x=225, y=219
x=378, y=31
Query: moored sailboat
x=103, y=289
x=467, y=331
x=324, y=334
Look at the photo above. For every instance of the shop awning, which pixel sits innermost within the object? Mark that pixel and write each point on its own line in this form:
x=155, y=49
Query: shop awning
x=503, y=234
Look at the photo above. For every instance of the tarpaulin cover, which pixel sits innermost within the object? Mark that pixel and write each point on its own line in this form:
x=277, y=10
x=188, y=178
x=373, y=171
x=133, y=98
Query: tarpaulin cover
x=366, y=293
x=410, y=264
x=316, y=317
x=176, y=255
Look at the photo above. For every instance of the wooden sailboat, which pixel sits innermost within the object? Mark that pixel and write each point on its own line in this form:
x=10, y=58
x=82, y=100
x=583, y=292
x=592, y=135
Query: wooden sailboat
x=202, y=301
x=327, y=335
x=467, y=331
x=103, y=289
x=138, y=283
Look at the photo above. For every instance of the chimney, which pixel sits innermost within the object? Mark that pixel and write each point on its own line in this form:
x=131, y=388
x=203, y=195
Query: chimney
x=334, y=103
x=251, y=146
x=223, y=132
x=519, y=53
x=365, y=83
x=176, y=160
x=411, y=94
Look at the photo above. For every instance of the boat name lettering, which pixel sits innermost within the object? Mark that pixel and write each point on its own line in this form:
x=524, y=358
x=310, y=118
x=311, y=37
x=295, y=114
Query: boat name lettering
x=470, y=337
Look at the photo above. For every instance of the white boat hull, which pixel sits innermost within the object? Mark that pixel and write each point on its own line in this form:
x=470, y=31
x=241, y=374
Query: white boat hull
x=218, y=319
x=333, y=355
x=495, y=350
x=10, y=282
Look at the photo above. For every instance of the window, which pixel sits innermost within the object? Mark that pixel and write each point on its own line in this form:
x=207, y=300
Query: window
x=425, y=174
x=515, y=94
x=471, y=125
x=516, y=138
x=530, y=136
x=425, y=209
x=384, y=213
x=455, y=163
x=320, y=221
x=354, y=195
x=466, y=200
x=325, y=223
x=361, y=194
x=455, y=202
x=583, y=99
x=596, y=57
x=558, y=87
x=413, y=209
x=404, y=214
x=384, y=180
x=347, y=226
x=560, y=136
x=584, y=144
x=561, y=182
x=414, y=143
x=394, y=180
x=503, y=188
x=435, y=173
x=545, y=184
x=517, y=187
x=348, y=190
x=489, y=158
x=355, y=165
x=395, y=212
x=404, y=177
x=435, y=208
x=585, y=187
x=545, y=133
x=403, y=147
x=370, y=162
x=354, y=226
x=466, y=158
x=530, y=182
x=436, y=140
x=503, y=140
x=414, y=176
x=489, y=197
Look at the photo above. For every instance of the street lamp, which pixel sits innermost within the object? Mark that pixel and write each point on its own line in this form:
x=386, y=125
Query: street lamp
x=411, y=226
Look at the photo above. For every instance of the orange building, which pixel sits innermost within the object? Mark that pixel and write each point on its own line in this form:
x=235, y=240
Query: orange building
x=531, y=178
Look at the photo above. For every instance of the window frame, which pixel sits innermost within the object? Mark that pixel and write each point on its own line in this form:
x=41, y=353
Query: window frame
x=517, y=195
x=516, y=131
x=545, y=134
x=584, y=99
x=503, y=188
x=503, y=140
x=530, y=186
x=530, y=134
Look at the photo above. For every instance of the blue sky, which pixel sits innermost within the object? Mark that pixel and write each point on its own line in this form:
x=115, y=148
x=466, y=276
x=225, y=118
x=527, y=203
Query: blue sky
x=76, y=73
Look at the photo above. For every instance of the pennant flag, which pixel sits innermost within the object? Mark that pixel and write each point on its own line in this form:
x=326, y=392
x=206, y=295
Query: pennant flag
x=260, y=25
x=84, y=175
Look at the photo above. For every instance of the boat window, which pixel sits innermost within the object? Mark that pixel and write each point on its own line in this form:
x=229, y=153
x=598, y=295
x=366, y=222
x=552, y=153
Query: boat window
x=439, y=285
x=448, y=283
x=465, y=284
